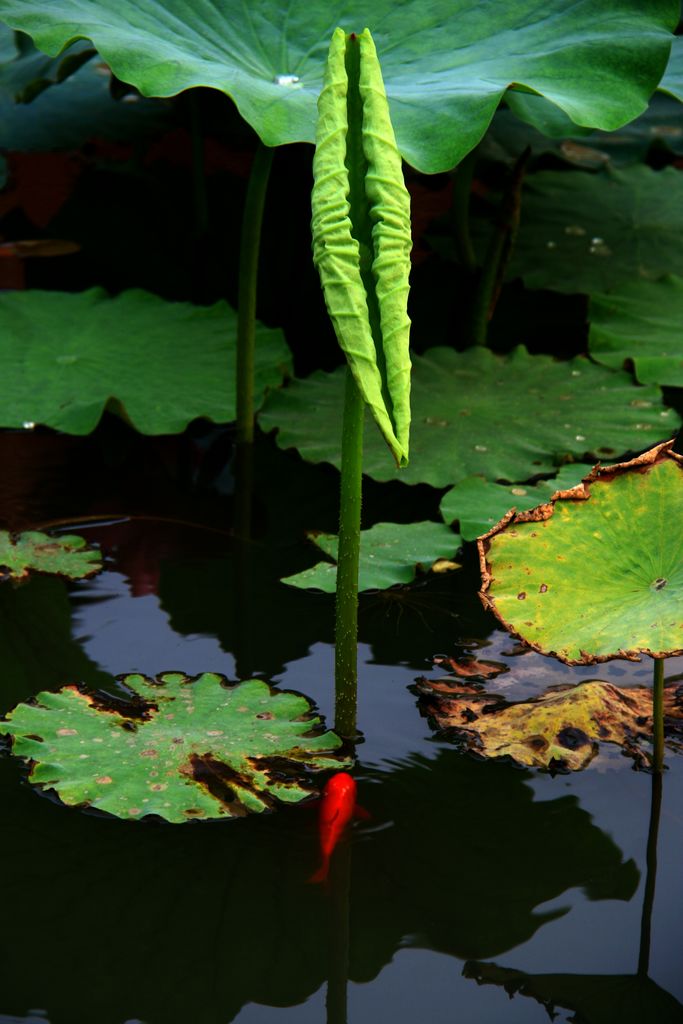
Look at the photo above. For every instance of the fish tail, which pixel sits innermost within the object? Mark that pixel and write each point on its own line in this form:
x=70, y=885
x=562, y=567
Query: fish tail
x=321, y=874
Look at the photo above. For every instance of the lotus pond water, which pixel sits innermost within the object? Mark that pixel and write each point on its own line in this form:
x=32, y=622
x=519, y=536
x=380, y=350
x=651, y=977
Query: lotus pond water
x=297, y=302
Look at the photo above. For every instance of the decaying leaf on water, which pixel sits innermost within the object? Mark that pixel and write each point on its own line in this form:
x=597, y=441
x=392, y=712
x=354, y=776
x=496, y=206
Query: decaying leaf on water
x=560, y=730
x=470, y=668
x=182, y=748
x=68, y=556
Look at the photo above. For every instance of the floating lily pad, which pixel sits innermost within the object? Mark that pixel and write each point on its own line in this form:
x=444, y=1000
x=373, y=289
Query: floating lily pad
x=25, y=553
x=476, y=504
x=459, y=400
x=184, y=748
x=390, y=553
x=446, y=65
x=640, y=323
x=562, y=729
x=590, y=233
x=597, y=574
x=163, y=364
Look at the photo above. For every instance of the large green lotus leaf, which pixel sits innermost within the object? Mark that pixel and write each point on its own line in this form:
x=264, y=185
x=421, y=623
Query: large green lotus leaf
x=459, y=401
x=476, y=504
x=65, y=555
x=67, y=115
x=390, y=553
x=597, y=575
x=66, y=356
x=446, y=64
x=594, y=998
x=184, y=748
x=561, y=729
x=591, y=232
x=640, y=323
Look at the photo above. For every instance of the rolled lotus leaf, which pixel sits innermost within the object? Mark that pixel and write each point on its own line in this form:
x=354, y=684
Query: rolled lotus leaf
x=361, y=232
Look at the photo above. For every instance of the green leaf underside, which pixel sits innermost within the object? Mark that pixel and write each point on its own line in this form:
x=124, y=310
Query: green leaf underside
x=600, y=578
x=361, y=233
x=641, y=322
x=202, y=750
x=660, y=127
x=459, y=400
x=67, y=115
x=25, y=72
x=561, y=729
x=66, y=356
x=446, y=64
x=594, y=232
x=477, y=504
x=29, y=552
x=390, y=553
x=672, y=82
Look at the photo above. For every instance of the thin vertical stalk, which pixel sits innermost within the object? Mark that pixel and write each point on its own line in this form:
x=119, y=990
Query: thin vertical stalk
x=460, y=210
x=248, y=276
x=498, y=254
x=346, y=622
x=658, y=716
x=651, y=876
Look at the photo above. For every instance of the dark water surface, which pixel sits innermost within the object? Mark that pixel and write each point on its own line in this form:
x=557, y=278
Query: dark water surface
x=465, y=873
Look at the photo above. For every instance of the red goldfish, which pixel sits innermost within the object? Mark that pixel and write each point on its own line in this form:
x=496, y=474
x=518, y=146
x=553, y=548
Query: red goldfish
x=337, y=808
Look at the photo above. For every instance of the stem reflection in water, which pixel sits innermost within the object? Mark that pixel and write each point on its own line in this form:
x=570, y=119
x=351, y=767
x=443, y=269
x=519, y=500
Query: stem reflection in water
x=339, y=893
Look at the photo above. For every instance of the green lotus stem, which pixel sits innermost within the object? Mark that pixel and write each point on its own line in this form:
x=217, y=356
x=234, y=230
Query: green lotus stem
x=651, y=876
x=498, y=254
x=361, y=246
x=346, y=609
x=658, y=716
x=248, y=277
x=462, y=188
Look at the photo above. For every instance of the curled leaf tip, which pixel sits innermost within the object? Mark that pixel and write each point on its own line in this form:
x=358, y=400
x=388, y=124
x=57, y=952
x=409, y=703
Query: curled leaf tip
x=361, y=232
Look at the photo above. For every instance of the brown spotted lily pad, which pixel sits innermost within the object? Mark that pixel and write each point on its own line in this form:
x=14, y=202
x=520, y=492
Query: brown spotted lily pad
x=68, y=556
x=183, y=748
x=596, y=572
x=563, y=728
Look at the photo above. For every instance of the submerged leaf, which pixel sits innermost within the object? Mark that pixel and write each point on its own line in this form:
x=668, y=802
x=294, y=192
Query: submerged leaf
x=68, y=556
x=459, y=400
x=163, y=364
x=361, y=232
x=597, y=573
x=390, y=553
x=562, y=729
x=184, y=748
x=640, y=323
